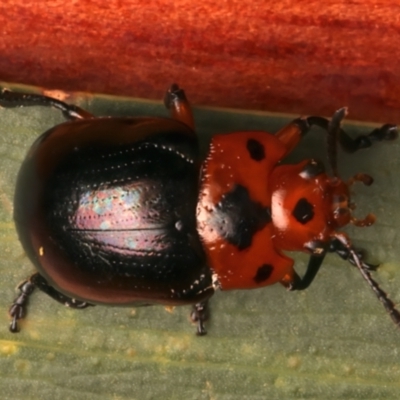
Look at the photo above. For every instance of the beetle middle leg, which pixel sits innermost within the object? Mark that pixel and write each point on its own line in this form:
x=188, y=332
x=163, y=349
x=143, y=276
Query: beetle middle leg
x=10, y=99
x=18, y=308
x=176, y=102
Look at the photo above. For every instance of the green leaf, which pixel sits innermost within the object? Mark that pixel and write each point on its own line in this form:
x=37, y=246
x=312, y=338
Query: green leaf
x=332, y=341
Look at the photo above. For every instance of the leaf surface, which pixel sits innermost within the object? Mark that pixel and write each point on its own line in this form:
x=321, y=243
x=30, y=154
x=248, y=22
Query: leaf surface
x=331, y=341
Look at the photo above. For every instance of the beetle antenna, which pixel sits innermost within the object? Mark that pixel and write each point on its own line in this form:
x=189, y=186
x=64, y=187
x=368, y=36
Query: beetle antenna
x=333, y=136
x=380, y=294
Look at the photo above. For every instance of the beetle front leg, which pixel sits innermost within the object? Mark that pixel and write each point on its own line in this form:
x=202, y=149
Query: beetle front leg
x=176, y=102
x=291, y=134
x=10, y=99
x=302, y=283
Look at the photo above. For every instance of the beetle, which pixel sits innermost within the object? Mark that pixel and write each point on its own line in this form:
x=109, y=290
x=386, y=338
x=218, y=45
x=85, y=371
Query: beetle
x=123, y=212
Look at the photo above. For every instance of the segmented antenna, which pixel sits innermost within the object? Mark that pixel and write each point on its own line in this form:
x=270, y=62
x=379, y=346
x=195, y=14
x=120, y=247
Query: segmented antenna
x=363, y=268
x=332, y=138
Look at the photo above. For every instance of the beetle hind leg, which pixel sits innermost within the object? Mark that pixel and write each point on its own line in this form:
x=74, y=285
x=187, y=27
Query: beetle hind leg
x=42, y=285
x=10, y=99
x=19, y=306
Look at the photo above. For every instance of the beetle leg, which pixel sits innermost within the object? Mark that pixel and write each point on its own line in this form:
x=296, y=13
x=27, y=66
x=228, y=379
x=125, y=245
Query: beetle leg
x=10, y=99
x=176, y=102
x=19, y=306
x=200, y=314
x=301, y=283
x=42, y=285
x=291, y=134
x=315, y=262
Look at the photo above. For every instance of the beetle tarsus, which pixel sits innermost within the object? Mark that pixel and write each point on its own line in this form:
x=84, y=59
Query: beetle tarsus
x=17, y=310
x=200, y=314
x=385, y=132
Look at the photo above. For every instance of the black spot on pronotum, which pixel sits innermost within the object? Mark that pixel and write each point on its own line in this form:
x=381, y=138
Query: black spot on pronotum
x=263, y=273
x=256, y=149
x=304, y=211
x=237, y=217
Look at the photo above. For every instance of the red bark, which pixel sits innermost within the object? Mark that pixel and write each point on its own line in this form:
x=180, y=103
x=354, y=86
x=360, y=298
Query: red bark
x=297, y=56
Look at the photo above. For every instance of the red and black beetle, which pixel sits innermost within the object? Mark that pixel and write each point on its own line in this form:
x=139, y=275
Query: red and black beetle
x=121, y=211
